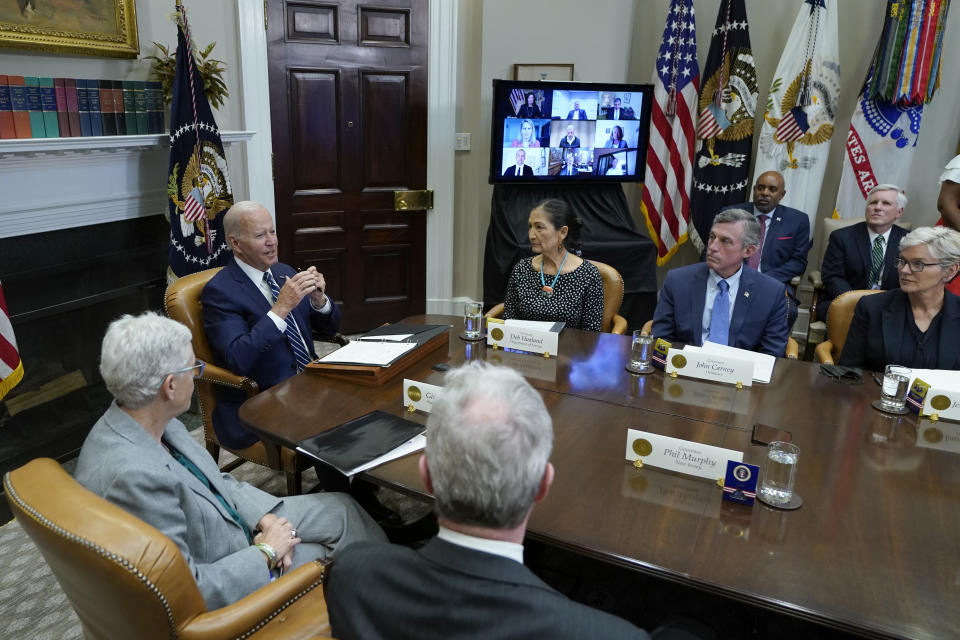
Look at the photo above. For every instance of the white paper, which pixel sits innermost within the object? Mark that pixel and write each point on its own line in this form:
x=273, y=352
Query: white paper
x=937, y=378
x=369, y=353
x=414, y=444
x=762, y=362
x=394, y=338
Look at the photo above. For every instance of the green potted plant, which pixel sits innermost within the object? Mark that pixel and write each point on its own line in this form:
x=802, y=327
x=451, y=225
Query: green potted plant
x=211, y=70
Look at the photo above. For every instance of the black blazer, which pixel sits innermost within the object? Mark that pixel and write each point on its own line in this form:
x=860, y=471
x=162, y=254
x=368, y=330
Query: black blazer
x=512, y=170
x=527, y=111
x=379, y=590
x=848, y=260
x=879, y=323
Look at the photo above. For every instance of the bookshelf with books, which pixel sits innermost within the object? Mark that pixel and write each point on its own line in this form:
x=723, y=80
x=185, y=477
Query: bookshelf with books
x=32, y=107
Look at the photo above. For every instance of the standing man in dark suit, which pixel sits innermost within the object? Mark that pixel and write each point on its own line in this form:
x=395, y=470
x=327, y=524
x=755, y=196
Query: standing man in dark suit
x=576, y=113
x=723, y=300
x=520, y=169
x=489, y=438
x=258, y=314
x=784, y=234
x=863, y=256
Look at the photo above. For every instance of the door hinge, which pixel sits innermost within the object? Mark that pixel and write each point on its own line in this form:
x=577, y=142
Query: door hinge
x=265, y=19
x=273, y=165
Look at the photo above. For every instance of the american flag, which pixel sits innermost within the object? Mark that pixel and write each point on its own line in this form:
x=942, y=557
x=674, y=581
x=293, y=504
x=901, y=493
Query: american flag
x=11, y=368
x=516, y=100
x=792, y=126
x=676, y=80
x=193, y=208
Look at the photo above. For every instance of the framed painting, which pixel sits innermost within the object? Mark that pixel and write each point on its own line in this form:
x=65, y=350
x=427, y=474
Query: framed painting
x=550, y=72
x=105, y=28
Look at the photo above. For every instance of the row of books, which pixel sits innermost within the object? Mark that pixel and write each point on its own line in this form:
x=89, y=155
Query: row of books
x=32, y=107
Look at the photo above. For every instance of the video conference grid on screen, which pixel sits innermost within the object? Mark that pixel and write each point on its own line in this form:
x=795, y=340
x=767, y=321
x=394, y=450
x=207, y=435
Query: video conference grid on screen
x=569, y=132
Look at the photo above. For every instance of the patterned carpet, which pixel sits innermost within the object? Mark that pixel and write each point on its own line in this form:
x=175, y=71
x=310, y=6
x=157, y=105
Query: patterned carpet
x=32, y=605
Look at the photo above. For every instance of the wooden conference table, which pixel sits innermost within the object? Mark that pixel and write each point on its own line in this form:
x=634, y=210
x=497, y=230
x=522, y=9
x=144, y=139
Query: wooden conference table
x=875, y=550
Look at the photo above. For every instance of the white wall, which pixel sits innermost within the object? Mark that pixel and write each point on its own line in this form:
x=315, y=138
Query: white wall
x=594, y=36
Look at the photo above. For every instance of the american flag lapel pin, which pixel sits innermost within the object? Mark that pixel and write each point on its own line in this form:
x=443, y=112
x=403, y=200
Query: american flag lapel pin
x=746, y=294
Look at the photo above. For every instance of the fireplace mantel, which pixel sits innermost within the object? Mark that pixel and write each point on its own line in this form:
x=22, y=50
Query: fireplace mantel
x=59, y=183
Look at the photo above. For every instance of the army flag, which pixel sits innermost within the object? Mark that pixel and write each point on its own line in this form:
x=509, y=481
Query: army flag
x=669, y=169
x=198, y=185
x=11, y=367
x=801, y=107
x=727, y=106
x=883, y=133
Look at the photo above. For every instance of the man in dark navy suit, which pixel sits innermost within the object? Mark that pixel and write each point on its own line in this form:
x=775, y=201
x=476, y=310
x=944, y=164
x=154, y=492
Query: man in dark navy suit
x=723, y=300
x=252, y=330
x=577, y=113
x=863, y=256
x=487, y=462
x=784, y=234
x=520, y=169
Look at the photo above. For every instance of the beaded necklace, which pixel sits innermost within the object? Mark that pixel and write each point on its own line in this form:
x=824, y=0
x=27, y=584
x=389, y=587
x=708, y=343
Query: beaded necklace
x=548, y=289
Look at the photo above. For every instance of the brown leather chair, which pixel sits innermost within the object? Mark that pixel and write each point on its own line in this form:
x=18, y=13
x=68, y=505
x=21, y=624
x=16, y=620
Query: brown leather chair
x=792, y=350
x=125, y=579
x=183, y=305
x=839, y=317
x=613, y=322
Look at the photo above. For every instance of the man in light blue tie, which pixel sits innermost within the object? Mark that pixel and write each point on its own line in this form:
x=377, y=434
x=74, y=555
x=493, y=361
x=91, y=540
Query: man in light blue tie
x=723, y=300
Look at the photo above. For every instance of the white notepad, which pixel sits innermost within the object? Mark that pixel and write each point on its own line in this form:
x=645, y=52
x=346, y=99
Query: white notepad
x=368, y=353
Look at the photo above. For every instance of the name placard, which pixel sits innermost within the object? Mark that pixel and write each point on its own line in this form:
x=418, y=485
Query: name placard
x=682, y=456
x=710, y=366
x=945, y=403
x=419, y=395
x=939, y=436
x=504, y=336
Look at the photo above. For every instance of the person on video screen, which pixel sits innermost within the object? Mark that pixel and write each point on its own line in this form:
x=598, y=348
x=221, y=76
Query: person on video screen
x=577, y=113
x=527, y=135
x=520, y=169
x=616, y=112
x=569, y=167
x=616, y=168
x=529, y=109
x=571, y=140
x=616, y=140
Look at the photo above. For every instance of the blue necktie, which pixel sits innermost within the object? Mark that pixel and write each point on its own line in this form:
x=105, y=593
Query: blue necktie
x=293, y=333
x=720, y=316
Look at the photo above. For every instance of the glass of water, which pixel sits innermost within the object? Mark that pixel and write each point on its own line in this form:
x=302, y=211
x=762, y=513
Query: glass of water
x=779, y=473
x=641, y=353
x=472, y=320
x=893, y=391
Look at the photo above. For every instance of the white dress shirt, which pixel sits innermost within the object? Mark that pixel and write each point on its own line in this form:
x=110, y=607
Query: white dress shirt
x=502, y=548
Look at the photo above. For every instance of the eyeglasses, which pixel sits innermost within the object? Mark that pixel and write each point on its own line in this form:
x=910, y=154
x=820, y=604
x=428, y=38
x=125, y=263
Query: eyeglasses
x=200, y=365
x=916, y=266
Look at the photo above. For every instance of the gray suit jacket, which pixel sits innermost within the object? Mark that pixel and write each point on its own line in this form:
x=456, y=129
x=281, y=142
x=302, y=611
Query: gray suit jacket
x=122, y=463
x=447, y=591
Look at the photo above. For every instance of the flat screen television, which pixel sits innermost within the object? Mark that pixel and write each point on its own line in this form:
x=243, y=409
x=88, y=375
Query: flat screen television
x=569, y=131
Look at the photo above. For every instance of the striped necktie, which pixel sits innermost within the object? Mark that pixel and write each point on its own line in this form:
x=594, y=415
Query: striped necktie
x=877, y=262
x=292, y=332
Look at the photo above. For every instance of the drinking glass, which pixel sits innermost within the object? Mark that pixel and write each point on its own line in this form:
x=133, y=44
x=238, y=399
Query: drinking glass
x=472, y=319
x=779, y=473
x=893, y=391
x=641, y=353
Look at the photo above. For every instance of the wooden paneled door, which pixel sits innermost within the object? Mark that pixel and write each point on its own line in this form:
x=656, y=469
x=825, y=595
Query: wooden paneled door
x=348, y=105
